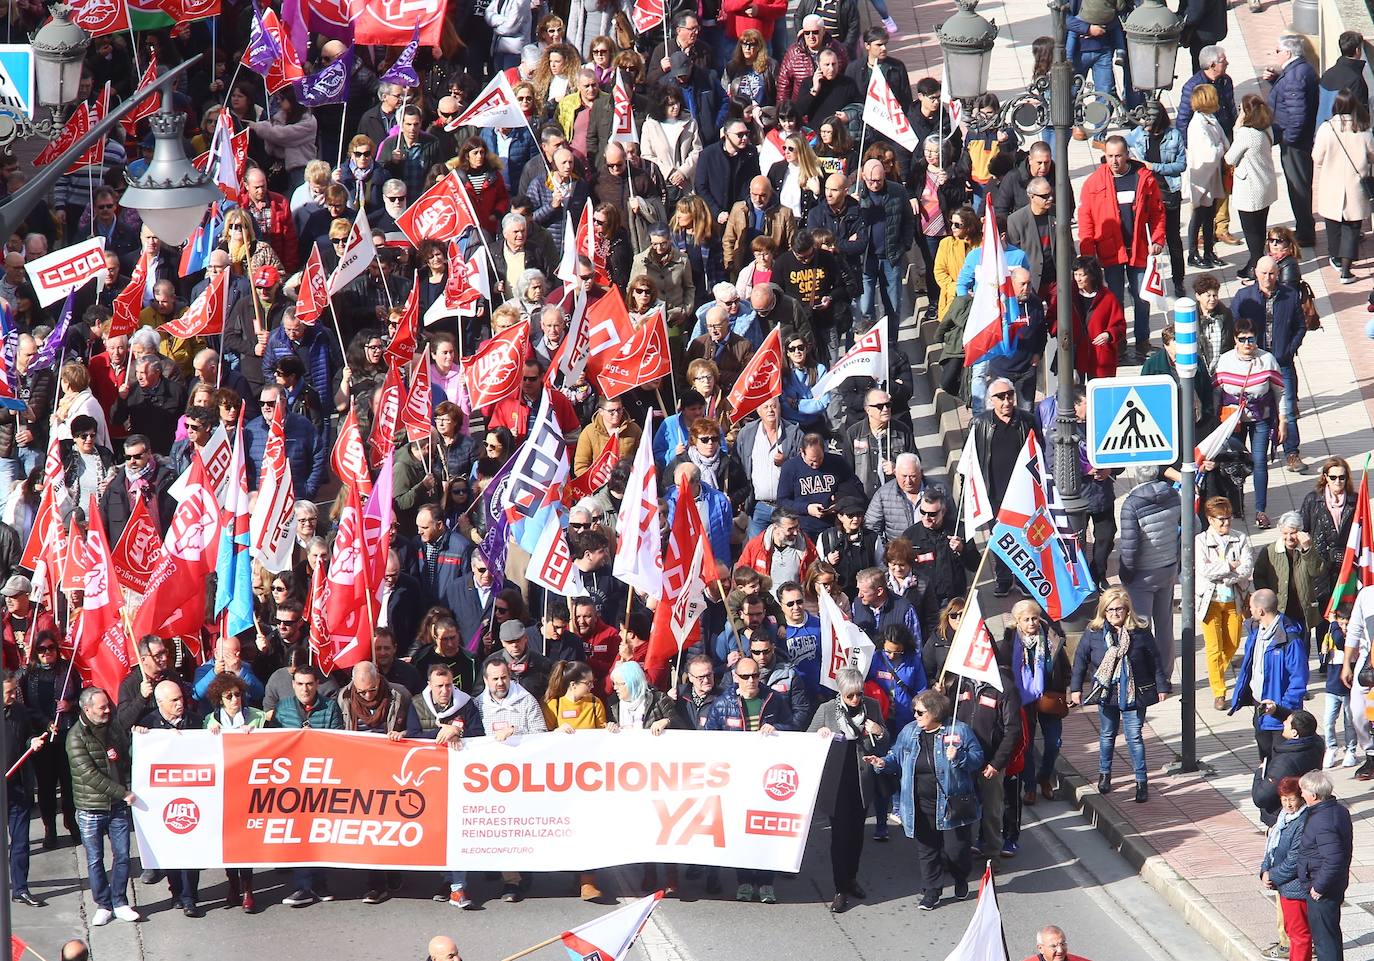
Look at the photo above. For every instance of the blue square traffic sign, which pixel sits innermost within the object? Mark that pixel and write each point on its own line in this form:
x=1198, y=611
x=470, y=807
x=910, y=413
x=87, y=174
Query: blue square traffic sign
x=1132, y=421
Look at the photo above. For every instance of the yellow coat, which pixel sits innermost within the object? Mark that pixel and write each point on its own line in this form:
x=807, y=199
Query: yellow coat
x=588, y=715
x=949, y=260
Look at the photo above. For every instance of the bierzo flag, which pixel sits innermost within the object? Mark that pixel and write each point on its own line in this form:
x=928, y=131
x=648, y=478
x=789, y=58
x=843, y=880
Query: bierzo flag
x=609, y=937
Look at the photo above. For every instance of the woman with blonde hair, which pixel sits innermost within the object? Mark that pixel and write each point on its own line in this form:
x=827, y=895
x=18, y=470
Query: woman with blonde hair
x=572, y=705
x=1207, y=146
x=246, y=252
x=797, y=179
x=1117, y=658
x=1222, y=593
x=694, y=234
x=77, y=399
x=555, y=74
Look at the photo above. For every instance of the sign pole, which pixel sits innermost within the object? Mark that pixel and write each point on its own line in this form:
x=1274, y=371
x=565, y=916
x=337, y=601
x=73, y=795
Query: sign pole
x=1185, y=358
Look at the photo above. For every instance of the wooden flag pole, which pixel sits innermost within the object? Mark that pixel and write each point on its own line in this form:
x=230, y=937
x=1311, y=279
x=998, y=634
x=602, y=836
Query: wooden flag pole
x=972, y=590
x=533, y=948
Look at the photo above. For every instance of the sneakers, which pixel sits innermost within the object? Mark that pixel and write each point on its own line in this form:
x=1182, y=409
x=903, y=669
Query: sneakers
x=510, y=893
x=745, y=892
x=929, y=900
x=1294, y=463
x=890, y=26
x=300, y=899
x=376, y=896
x=458, y=898
x=1346, y=277
x=1332, y=757
x=1351, y=759
x=766, y=894
x=1275, y=952
x=126, y=913
x=894, y=819
x=1009, y=849
x=1366, y=771
x=961, y=891
x=102, y=917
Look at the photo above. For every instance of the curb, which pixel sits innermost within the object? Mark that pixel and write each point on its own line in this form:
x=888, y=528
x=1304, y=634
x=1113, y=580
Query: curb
x=1192, y=906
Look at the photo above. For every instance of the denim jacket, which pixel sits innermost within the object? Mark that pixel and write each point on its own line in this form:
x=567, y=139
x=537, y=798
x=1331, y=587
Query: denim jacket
x=955, y=777
x=1173, y=157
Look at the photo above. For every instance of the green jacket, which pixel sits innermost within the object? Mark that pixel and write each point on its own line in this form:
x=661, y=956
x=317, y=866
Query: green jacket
x=99, y=757
x=253, y=718
x=951, y=336
x=1272, y=571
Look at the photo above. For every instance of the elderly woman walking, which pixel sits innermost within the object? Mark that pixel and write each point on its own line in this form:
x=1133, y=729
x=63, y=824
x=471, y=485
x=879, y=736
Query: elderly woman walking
x=938, y=757
x=855, y=721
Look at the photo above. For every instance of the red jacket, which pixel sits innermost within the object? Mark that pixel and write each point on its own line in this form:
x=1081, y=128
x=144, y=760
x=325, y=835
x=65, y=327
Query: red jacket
x=1099, y=220
x=603, y=647
x=797, y=68
x=491, y=203
x=282, y=236
x=39, y=621
x=105, y=384
x=768, y=12
x=514, y=413
x=758, y=554
x=1106, y=317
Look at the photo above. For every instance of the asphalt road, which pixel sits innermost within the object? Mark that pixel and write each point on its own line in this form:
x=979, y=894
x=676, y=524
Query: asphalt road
x=1065, y=874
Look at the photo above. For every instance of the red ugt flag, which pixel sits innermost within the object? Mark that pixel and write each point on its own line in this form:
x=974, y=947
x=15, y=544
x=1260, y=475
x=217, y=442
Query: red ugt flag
x=176, y=594
x=761, y=379
x=102, y=648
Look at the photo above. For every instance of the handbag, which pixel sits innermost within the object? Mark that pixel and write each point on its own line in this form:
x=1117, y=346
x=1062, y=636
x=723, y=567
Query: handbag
x=1366, y=180
x=1053, y=703
x=1366, y=677
x=1307, y=303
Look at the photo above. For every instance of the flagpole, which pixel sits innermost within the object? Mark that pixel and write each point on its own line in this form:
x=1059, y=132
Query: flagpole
x=343, y=126
x=533, y=948
x=972, y=591
x=133, y=49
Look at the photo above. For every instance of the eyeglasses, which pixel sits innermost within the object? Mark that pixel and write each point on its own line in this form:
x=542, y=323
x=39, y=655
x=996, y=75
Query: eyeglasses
x=796, y=348
x=748, y=677
x=702, y=677
x=501, y=610
x=88, y=434
x=1003, y=395
x=278, y=589
x=600, y=51
x=233, y=696
x=376, y=347
x=810, y=33
x=920, y=712
x=1116, y=609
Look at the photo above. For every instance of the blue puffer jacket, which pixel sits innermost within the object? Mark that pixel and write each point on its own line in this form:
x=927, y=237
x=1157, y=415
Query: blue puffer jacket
x=305, y=452
x=902, y=680
x=313, y=351
x=1282, y=861
x=955, y=777
x=727, y=713
x=1294, y=100
x=1285, y=673
x=1173, y=157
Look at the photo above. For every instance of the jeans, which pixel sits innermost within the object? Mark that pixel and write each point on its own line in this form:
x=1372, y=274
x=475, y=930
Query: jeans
x=1337, y=705
x=1324, y=919
x=1097, y=63
x=1110, y=721
x=978, y=387
x=1116, y=277
x=185, y=887
x=1289, y=408
x=21, y=809
x=1053, y=730
x=885, y=277
x=16, y=468
x=760, y=518
x=1259, y=457
x=457, y=880
x=112, y=890
x=307, y=879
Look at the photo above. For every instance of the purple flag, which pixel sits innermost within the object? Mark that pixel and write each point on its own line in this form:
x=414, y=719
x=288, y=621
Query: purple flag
x=262, y=49
x=329, y=85
x=47, y=354
x=403, y=70
x=493, y=550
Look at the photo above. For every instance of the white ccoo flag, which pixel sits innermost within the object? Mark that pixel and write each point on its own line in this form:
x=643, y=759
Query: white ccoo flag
x=977, y=504
x=867, y=358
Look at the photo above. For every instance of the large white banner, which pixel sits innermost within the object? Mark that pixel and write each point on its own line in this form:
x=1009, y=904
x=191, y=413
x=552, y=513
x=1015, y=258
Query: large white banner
x=545, y=802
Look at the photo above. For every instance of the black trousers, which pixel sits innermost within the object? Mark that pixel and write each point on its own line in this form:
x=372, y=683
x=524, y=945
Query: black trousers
x=54, y=773
x=1203, y=219
x=1253, y=224
x=847, y=833
x=1297, y=171
x=1173, y=228
x=938, y=851
x=1343, y=240
x=1264, y=740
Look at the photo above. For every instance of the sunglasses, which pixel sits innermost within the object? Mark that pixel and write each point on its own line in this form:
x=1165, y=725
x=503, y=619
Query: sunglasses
x=46, y=649
x=748, y=677
x=935, y=513
x=882, y=406
x=362, y=153
x=760, y=651
x=1334, y=477
x=1278, y=240
x=708, y=440
x=1003, y=395
x=88, y=434
x=797, y=349
x=281, y=623
x=1245, y=340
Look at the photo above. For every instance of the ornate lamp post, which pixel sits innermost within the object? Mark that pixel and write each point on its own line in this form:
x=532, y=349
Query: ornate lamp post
x=171, y=195
x=1062, y=103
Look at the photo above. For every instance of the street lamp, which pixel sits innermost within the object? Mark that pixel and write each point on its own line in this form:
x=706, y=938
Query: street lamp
x=59, y=47
x=1062, y=103
x=171, y=195
x=967, y=39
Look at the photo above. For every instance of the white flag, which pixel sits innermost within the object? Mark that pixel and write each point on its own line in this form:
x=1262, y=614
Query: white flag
x=1211, y=445
x=843, y=643
x=358, y=255
x=953, y=108
x=1152, y=283
x=609, y=937
x=983, y=940
x=217, y=454
x=270, y=524
x=884, y=114
x=622, y=116
x=494, y=107
x=567, y=267
x=977, y=504
x=867, y=358
x=551, y=565
x=639, y=556
x=57, y=274
x=972, y=653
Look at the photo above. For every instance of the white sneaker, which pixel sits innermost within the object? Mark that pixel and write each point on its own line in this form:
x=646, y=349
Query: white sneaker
x=1351, y=758
x=890, y=26
x=1331, y=758
x=126, y=913
x=102, y=917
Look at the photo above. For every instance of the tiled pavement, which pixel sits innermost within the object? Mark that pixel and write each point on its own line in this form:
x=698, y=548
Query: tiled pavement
x=1199, y=838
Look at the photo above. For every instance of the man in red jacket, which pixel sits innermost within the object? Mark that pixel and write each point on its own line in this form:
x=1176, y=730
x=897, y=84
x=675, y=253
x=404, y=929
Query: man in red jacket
x=1052, y=944
x=1121, y=223
x=271, y=218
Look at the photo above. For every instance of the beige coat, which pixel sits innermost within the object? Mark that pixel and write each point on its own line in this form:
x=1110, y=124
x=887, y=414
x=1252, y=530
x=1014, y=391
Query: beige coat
x=1338, y=195
x=1202, y=181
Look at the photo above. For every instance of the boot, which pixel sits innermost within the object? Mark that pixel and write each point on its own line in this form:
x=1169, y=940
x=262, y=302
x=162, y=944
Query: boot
x=249, y=906
x=589, y=891
x=235, y=897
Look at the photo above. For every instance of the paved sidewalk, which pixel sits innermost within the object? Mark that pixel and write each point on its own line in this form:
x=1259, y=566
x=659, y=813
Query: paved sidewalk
x=1199, y=839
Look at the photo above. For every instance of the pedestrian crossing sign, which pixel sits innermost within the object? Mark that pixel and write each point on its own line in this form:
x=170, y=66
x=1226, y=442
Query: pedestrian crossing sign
x=1132, y=421
x=17, y=77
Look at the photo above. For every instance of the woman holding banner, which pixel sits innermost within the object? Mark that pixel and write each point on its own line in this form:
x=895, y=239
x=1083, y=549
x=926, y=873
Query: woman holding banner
x=572, y=706
x=939, y=758
x=231, y=714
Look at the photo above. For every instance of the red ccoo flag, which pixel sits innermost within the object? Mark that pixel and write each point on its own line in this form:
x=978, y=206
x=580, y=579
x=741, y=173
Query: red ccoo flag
x=151, y=103
x=350, y=609
x=688, y=566
x=382, y=440
x=761, y=379
x=128, y=304
x=401, y=350
x=176, y=595
x=206, y=313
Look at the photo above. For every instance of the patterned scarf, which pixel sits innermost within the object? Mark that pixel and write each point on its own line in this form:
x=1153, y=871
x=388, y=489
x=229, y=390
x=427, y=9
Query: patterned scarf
x=1118, y=647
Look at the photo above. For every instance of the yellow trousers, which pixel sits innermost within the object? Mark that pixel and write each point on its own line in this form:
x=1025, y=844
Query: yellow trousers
x=1223, y=215
x=1221, y=634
